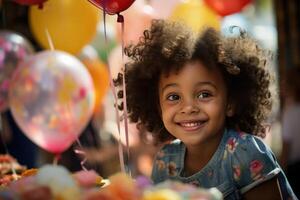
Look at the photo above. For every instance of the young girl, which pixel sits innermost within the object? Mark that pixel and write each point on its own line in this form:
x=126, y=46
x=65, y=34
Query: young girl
x=211, y=94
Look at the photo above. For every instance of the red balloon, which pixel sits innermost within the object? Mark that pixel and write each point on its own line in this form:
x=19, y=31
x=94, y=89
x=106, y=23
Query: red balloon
x=31, y=2
x=227, y=7
x=112, y=6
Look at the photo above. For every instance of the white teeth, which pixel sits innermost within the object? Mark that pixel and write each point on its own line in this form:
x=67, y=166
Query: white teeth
x=190, y=124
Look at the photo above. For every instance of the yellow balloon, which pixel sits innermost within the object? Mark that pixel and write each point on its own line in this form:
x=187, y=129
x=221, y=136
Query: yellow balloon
x=71, y=24
x=196, y=14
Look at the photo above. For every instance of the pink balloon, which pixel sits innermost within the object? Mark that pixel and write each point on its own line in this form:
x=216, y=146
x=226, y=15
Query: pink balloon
x=137, y=18
x=13, y=49
x=52, y=99
x=164, y=8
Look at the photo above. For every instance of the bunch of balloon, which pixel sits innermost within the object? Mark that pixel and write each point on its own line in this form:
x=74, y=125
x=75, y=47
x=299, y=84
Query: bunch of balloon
x=14, y=48
x=113, y=7
x=227, y=7
x=31, y=2
x=196, y=14
x=137, y=18
x=71, y=24
x=52, y=99
x=98, y=72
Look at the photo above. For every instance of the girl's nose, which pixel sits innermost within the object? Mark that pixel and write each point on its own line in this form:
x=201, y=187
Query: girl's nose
x=190, y=107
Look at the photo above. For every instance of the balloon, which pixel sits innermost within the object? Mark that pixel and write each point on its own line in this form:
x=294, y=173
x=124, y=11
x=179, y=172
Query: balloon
x=13, y=49
x=51, y=98
x=31, y=2
x=104, y=45
x=136, y=19
x=227, y=7
x=164, y=8
x=112, y=6
x=195, y=14
x=70, y=24
x=98, y=72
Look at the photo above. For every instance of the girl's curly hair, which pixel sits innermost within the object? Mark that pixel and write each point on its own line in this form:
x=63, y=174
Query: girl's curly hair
x=167, y=46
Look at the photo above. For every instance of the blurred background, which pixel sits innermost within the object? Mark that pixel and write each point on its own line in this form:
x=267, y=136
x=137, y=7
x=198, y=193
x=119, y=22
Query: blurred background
x=44, y=111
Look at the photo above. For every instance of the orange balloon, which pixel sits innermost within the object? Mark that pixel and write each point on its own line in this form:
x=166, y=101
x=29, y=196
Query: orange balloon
x=99, y=74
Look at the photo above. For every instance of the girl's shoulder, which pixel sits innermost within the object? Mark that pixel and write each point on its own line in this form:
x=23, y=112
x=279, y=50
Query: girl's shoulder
x=243, y=148
x=252, y=161
x=244, y=140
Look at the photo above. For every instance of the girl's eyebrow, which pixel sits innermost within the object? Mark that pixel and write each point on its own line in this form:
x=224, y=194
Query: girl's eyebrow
x=200, y=83
x=168, y=85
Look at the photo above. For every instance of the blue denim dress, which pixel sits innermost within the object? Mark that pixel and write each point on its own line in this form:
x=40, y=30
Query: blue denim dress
x=241, y=162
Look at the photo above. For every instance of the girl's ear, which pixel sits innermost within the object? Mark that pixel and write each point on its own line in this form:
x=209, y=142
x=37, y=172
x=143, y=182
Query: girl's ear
x=230, y=110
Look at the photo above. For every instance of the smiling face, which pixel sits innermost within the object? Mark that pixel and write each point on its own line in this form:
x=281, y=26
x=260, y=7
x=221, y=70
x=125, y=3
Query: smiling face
x=194, y=104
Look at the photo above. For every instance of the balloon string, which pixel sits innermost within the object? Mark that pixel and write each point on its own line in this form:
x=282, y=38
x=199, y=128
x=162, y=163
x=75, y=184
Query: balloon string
x=82, y=153
x=104, y=26
x=125, y=114
x=56, y=159
x=120, y=148
x=6, y=149
x=50, y=42
x=3, y=14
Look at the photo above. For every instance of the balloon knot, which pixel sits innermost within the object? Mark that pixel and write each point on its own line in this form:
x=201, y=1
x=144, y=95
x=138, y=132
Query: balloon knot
x=40, y=6
x=120, y=18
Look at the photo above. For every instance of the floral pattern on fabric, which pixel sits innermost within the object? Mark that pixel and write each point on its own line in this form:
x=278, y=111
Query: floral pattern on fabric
x=242, y=160
x=161, y=165
x=172, y=169
x=256, y=168
x=236, y=172
x=231, y=144
x=242, y=135
x=160, y=154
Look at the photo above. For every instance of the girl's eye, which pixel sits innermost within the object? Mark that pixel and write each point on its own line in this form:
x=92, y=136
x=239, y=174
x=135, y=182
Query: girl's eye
x=203, y=95
x=173, y=97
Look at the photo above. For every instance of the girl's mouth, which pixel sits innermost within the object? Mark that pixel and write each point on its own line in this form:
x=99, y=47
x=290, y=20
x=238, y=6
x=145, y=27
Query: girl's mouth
x=192, y=125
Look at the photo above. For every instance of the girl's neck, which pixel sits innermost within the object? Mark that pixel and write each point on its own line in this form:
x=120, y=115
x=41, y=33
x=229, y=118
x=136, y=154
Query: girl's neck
x=197, y=157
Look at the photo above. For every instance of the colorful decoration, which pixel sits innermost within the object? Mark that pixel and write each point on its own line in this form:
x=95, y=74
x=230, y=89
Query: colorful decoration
x=52, y=99
x=195, y=14
x=227, y=7
x=112, y=6
x=13, y=49
x=99, y=73
x=70, y=24
x=56, y=182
